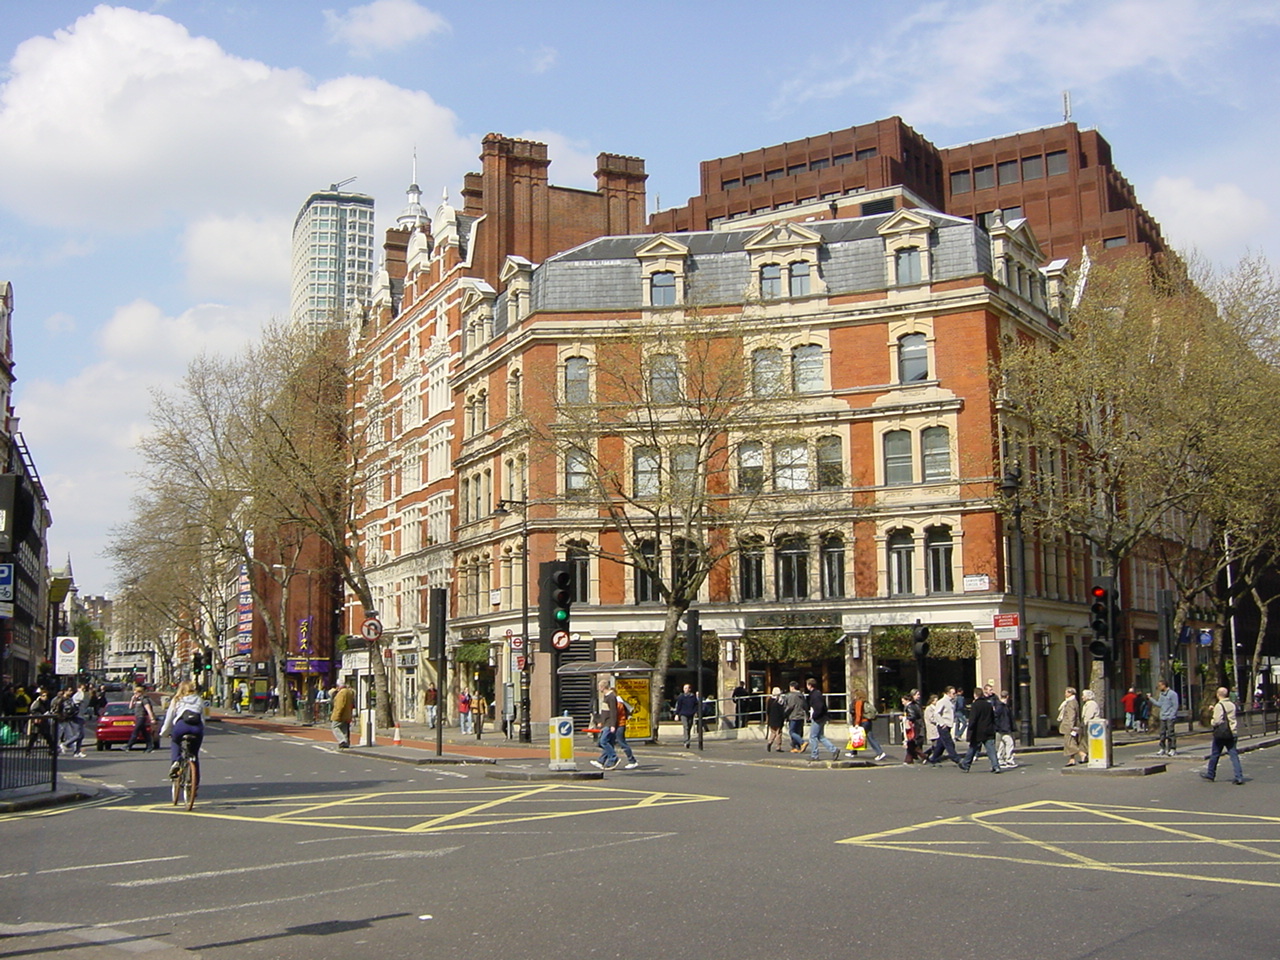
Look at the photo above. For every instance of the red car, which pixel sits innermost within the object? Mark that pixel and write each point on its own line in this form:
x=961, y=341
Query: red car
x=115, y=725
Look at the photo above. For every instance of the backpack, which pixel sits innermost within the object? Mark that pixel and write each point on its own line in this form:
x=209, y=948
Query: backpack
x=869, y=711
x=624, y=711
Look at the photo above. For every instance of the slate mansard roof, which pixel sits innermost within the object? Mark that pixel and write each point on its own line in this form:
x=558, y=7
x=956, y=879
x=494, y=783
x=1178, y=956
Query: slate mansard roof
x=605, y=274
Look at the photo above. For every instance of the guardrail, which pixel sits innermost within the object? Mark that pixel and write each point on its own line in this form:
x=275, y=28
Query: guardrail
x=28, y=752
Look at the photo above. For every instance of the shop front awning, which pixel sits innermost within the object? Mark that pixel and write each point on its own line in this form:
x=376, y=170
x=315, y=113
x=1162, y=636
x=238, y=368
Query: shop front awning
x=604, y=666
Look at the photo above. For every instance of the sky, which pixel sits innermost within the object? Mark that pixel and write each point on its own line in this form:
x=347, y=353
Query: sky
x=154, y=154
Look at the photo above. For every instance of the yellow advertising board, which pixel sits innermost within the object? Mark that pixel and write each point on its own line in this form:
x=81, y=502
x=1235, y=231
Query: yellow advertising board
x=635, y=690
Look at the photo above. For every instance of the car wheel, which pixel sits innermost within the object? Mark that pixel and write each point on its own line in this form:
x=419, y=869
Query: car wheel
x=101, y=745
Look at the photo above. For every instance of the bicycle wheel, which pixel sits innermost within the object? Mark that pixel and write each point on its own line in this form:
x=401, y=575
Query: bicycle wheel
x=190, y=783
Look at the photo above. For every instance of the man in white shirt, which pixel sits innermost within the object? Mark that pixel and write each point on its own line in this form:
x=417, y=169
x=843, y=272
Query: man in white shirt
x=945, y=718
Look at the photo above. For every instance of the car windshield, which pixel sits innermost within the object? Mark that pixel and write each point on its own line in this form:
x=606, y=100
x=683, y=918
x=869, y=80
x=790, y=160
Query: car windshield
x=117, y=710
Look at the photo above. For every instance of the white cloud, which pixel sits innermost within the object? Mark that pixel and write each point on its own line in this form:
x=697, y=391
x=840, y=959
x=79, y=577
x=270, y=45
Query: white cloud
x=543, y=59
x=84, y=430
x=952, y=63
x=1221, y=220
x=250, y=255
x=125, y=120
x=383, y=25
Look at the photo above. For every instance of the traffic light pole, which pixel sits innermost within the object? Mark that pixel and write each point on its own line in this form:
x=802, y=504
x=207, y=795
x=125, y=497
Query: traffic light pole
x=1011, y=486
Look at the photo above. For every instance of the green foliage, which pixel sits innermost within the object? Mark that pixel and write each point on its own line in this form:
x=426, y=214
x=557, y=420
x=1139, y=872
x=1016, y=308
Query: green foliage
x=791, y=644
x=946, y=642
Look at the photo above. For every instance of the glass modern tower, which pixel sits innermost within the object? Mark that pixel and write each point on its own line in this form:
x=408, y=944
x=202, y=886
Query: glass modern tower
x=332, y=255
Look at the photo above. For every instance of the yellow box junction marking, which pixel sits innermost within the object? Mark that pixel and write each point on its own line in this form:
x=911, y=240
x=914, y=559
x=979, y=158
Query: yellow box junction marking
x=1079, y=836
x=435, y=811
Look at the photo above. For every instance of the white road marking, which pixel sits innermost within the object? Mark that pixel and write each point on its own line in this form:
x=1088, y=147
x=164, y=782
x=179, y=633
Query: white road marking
x=90, y=866
x=223, y=908
x=260, y=867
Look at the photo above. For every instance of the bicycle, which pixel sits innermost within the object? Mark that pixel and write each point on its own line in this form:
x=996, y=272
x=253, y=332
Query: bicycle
x=187, y=783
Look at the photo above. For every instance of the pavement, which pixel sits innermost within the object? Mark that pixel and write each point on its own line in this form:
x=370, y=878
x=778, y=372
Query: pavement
x=418, y=744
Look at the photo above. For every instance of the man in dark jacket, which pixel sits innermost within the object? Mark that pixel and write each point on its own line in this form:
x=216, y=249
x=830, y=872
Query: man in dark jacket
x=687, y=710
x=982, y=731
x=818, y=721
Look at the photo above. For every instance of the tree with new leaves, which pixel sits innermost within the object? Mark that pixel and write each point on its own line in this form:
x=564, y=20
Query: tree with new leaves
x=1130, y=423
x=660, y=448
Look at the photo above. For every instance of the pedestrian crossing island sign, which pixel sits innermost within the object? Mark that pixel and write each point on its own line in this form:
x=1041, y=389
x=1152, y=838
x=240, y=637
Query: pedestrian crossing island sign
x=561, y=730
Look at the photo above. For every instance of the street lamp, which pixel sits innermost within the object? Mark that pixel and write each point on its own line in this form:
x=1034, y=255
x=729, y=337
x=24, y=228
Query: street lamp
x=1011, y=488
x=526, y=728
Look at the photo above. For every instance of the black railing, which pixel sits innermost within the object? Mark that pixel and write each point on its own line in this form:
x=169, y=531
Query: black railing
x=28, y=752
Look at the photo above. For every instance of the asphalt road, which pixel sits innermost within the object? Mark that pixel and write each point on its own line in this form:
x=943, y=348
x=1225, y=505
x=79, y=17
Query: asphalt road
x=298, y=851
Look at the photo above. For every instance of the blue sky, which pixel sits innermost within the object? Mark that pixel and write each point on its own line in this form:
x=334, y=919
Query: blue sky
x=153, y=154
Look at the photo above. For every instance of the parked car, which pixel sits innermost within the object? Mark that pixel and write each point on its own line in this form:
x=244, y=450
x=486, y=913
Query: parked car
x=115, y=724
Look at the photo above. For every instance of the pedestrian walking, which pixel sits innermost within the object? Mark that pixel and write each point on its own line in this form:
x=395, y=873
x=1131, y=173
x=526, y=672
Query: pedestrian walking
x=864, y=712
x=1225, y=720
x=40, y=726
x=944, y=718
x=797, y=713
x=960, y=726
x=912, y=726
x=608, y=723
x=625, y=710
x=982, y=732
x=1166, y=702
x=479, y=713
x=342, y=709
x=687, y=709
x=775, y=716
x=1069, y=727
x=432, y=698
x=144, y=716
x=818, y=714
x=1129, y=703
x=1004, y=730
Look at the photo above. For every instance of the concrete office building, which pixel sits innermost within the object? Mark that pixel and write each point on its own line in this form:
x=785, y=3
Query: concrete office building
x=332, y=255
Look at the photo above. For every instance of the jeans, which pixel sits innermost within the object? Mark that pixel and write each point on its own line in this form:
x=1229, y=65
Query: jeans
x=1216, y=751
x=818, y=738
x=795, y=730
x=141, y=731
x=688, y=721
x=620, y=738
x=464, y=722
x=179, y=730
x=944, y=744
x=431, y=716
x=1168, y=735
x=872, y=743
x=608, y=756
x=974, y=747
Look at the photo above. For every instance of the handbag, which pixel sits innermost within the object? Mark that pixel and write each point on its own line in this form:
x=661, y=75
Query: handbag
x=1222, y=729
x=857, y=737
x=190, y=717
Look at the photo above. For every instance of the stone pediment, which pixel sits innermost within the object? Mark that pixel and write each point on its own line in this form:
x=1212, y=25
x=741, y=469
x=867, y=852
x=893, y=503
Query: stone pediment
x=904, y=221
x=662, y=246
x=514, y=266
x=476, y=294
x=782, y=236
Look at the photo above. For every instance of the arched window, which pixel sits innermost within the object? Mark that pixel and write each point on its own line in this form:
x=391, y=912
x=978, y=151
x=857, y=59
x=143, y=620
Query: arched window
x=935, y=453
x=751, y=466
x=902, y=555
x=830, y=463
x=662, y=289
x=913, y=358
x=751, y=569
x=938, y=548
x=897, y=458
x=806, y=368
x=664, y=378
x=577, y=380
x=907, y=264
x=578, y=555
x=832, y=557
x=766, y=372
x=792, y=568
x=799, y=279
x=646, y=580
x=771, y=281
x=647, y=468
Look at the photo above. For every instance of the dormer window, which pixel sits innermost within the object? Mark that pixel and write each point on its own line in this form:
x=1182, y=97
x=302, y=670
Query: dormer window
x=907, y=265
x=662, y=289
x=771, y=281
x=799, y=279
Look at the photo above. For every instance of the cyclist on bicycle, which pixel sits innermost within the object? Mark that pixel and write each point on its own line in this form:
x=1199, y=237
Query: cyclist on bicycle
x=184, y=718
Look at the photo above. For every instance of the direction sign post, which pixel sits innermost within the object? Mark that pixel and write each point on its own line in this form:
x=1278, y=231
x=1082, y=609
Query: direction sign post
x=6, y=582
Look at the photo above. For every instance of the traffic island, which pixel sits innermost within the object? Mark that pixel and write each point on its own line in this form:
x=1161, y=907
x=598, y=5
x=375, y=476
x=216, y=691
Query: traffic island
x=804, y=763
x=1121, y=770
x=540, y=775
x=412, y=756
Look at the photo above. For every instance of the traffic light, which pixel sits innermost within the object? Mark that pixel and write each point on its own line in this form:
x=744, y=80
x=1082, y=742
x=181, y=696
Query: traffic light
x=208, y=660
x=437, y=614
x=693, y=639
x=920, y=640
x=197, y=664
x=555, y=596
x=1104, y=617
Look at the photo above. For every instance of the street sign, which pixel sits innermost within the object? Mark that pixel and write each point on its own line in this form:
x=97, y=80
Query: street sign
x=1006, y=625
x=6, y=582
x=517, y=643
x=521, y=661
x=67, y=660
x=371, y=629
x=560, y=640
